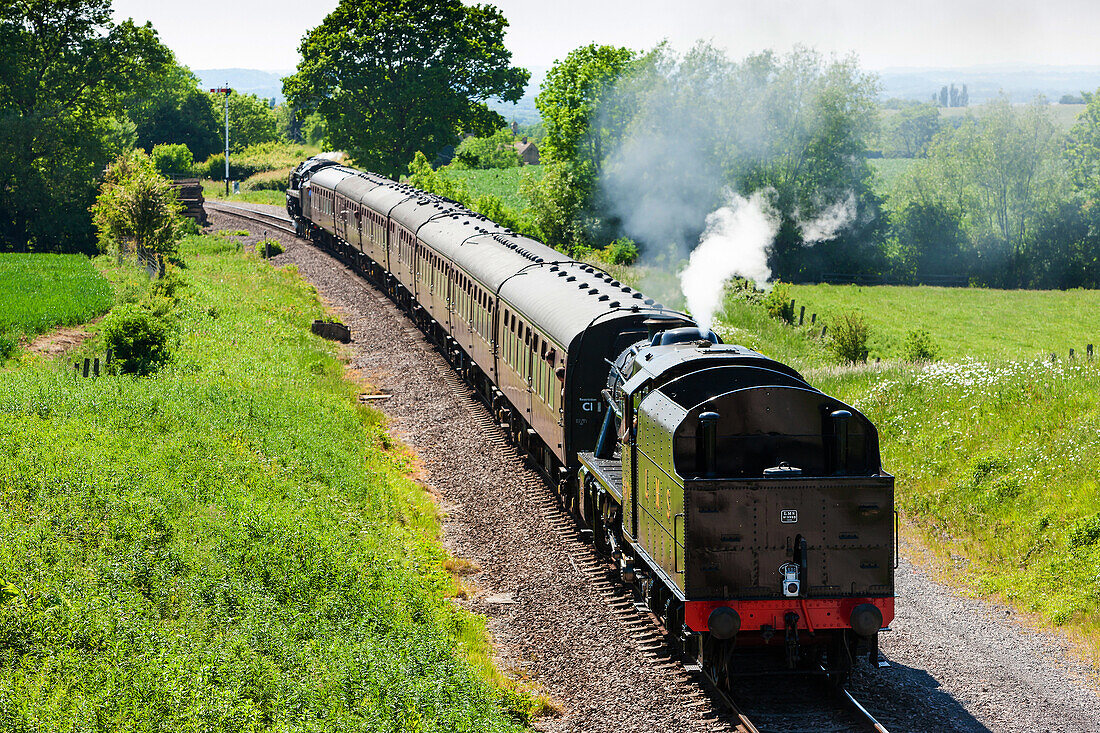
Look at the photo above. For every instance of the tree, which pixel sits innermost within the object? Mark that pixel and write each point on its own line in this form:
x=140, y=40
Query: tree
x=574, y=91
x=495, y=151
x=170, y=108
x=998, y=174
x=136, y=206
x=65, y=68
x=944, y=97
x=251, y=121
x=911, y=130
x=391, y=77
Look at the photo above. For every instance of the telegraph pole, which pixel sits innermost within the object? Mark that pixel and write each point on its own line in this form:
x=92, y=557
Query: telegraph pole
x=226, y=91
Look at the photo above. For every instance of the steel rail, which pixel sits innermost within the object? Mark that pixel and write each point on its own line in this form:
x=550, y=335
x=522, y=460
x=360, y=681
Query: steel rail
x=261, y=217
x=863, y=712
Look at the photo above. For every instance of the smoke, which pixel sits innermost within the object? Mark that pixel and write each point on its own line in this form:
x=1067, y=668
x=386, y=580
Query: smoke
x=830, y=222
x=735, y=242
x=686, y=138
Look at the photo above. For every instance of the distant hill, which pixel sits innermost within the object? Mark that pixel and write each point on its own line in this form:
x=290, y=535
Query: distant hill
x=265, y=84
x=1021, y=84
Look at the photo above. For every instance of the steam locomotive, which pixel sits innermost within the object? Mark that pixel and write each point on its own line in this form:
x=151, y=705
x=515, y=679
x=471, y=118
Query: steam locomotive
x=747, y=509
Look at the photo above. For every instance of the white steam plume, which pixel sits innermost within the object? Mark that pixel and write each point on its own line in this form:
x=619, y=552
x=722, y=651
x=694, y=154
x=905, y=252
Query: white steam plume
x=735, y=242
x=829, y=223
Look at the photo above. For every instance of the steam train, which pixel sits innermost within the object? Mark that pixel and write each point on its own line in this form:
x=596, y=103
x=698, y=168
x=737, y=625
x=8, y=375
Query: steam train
x=747, y=509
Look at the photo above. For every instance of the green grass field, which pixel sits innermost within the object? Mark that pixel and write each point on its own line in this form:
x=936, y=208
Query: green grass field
x=503, y=183
x=232, y=544
x=965, y=322
x=39, y=292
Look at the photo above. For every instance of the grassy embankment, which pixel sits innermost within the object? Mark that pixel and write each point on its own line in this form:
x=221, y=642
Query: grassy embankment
x=996, y=455
x=262, y=170
x=232, y=544
x=42, y=291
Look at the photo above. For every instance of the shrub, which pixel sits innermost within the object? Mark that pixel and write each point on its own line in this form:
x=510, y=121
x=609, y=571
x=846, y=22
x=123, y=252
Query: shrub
x=173, y=160
x=137, y=338
x=778, y=302
x=849, y=338
x=495, y=151
x=274, y=180
x=622, y=251
x=919, y=346
x=8, y=345
x=269, y=248
x=137, y=205
x=1085, y=531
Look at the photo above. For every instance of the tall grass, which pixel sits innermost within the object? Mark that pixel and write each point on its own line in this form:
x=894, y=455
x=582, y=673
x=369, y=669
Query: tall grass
x=39, y=292
x=232, y=544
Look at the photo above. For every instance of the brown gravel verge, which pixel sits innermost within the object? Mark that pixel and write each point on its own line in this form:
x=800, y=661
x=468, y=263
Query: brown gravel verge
x=957, y=664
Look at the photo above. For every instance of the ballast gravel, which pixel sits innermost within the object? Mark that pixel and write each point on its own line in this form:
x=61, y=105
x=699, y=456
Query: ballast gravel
x=956, y=663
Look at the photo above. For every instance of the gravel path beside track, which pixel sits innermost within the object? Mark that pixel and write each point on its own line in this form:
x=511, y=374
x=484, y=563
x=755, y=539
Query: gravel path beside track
x=957, y=664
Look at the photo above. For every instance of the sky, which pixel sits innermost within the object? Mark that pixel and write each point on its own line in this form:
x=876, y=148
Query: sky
x=264, y=34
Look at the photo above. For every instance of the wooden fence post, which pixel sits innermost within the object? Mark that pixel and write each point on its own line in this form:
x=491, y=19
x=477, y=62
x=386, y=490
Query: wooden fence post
x=87, y=366
x=823, y=329
x=801, y=315
x=813, y=318
x=1088, y=351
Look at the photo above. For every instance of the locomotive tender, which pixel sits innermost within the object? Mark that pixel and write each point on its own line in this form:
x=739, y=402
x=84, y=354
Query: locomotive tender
x=747, y=509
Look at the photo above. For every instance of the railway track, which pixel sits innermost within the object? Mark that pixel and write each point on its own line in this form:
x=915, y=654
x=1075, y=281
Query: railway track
x=699, y=690
x=280, y=223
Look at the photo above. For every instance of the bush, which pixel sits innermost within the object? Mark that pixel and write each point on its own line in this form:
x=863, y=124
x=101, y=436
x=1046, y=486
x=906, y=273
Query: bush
x=173, y=160
x=919, y=346
x=274, y=180
x=778, y=302
x=269, y=248
x=137, y=338
x=495, y=151
x=1085, y=531
x=849, y=338
x=622, y=251
x=8, y=346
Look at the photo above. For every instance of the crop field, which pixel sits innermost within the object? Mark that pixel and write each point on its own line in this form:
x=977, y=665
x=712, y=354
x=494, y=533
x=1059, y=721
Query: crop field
x=231, y=544
x=504, y=183
x=42, y=291
x=965, y=322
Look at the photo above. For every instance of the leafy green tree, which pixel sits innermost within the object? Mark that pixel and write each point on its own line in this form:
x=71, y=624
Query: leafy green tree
x=65, y=68
x=574, y=102
x=392, y=77
x=910, y=131
x=138, y=207
x=251, y=121
x=170, y=108
x=494, y=151
x=1083, y=152
x=998, y=173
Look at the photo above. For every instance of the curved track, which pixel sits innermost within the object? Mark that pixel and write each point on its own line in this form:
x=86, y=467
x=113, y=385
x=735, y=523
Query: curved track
x=825, y=712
